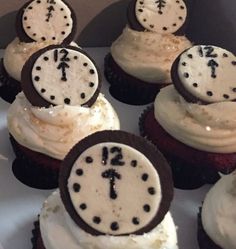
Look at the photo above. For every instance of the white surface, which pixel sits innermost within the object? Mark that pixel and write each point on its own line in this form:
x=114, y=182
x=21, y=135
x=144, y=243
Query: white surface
x=20, y=205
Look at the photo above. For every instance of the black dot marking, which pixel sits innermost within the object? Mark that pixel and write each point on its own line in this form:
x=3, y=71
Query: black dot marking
x=209, y=93
x=30, y=8
x=25, y=18
x=96, y=219
x=174, y=24
x=114, y=226
x=82, y=95
x=186, y=75
x=91, y=84
x=234, y=89
x=144, y=20
x=43, y=90
x=38, y=68
x=79, y=172
x=54, y=38
x=144, y=177
x=65, y=17
x=134, y=163
x=226, y=96
x=151, y=191
x=28, y=27
x=135, y=221
x=67, y=101
x=213, y=76
x=225, y=55
x=195, y=84
x=34, y=34
x=88, y=159
x=140, y=10
x=43, y=38
x=85, y=64
x=76, y=187
x=83, y=206
x=38, y=1
x=177, y=1
x=62, y=9
x=180, y=18
x=190, y=56
x=234, y=63
x=184, y=64
x=92, y=71
x=67, y=24
x=75, y=57
x=141, y=3
x=151, y=26
x=146, y=208
x=160, y=12
x=63, y=32
x=36, y=78
x=181, y=7
x=164, y=28
x=52, y=97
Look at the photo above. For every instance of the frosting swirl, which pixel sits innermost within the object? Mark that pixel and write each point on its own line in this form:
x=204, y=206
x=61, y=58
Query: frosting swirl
x=148, y=56
x=17, y=53
x=54, y=131
x=59, y=231
x=210, y=128
x=219, y=213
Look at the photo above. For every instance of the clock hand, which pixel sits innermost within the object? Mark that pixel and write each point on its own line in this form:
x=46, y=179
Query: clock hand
x=213, y=64
x=63, y=65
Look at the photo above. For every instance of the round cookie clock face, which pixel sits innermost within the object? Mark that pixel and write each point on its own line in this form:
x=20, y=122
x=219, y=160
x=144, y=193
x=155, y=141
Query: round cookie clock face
x=46, y=20
x=161, y=16
x=60, y=75
x=205, y=74
x=111, y=187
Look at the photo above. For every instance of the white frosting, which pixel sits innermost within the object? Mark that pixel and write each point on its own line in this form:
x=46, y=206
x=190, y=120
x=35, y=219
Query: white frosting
x=148, y=56
x=17, y=53
x=219, y=212
x=161, y=16
x=47, y=20
x=59, y=232
x=53, y=131
x=130, y=192
x=64, y=76
x=208, y=73
x=209, y=128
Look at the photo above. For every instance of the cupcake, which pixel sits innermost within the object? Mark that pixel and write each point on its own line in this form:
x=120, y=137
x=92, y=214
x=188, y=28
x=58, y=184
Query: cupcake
x=39, y=23
x=60, y=104
x=140, y=60
x=216, y=220
x=126, y=206
x=193, y=121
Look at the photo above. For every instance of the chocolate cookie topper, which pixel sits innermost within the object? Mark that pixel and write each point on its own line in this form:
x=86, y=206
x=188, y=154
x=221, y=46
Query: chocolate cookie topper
x=46, y=20
x=58, y=75
x=205, y=74
x=161, y=16
x=115, y=183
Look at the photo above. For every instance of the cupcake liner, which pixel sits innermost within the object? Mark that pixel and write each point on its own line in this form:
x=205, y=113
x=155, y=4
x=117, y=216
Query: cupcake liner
x=9, y=87
x=36, y=239
x=34, y=169
x=204, y=241
x=186, y=175
x=127, y=88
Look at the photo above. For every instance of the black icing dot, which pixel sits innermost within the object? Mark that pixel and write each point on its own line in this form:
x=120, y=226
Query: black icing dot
x=181, y=7
x=65, y=17
x=85, y=64
x=141, y=2
x=234, y=63
x=38, y=68
x=82, y=95
x=160, y=12
x=67, y=24
x=79, y=172
x=146, y=208
x=180, y=18
x=174, y=24
x=83, y=206
x=184, y=63
x=96, y=219
x=75, y=57
x=190, y=56
x=225, y=55
x=76, y=187
x=43, y=38
x=92, y=71
x=226, y=96
x=151, y=26
x=164, y=28
x=25, y=18
x=186, y=75
x=177, y=1
x=114, y=226
x=28, y=27
x=43, y=90
x=88, y=159
x=234, y=89
x=38, y=1
x=140, y=10
x=52, y=97
x=134, y=163
x=62, y=9
x=34, y=34
x=67, y=101
x=63, y=32
x=54, y=38
x=36, y=78
x=213, y=76
x=195, y=84
x=91, y=84
x=151, y=191
x=144, y=20
x=135, y=221
x=30, y=8
x=209, y=93
x=144, y=177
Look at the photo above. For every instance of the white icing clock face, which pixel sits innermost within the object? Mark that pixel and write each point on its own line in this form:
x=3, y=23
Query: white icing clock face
x=114, y=188
x=65, y=76
x=208, y=73
x=47, y=20
x=161, y=16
